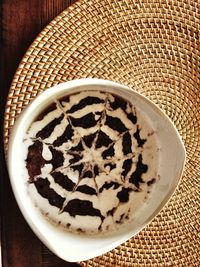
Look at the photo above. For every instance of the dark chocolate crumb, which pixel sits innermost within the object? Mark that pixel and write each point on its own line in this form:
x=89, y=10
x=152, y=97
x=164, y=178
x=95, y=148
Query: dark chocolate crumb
x=48, y=129
x=126, y=143
x=63, y=181
x=150, y=134
x=109, y=152
x=88, y=174
x=57, y=158
x=123, y=195
x=88, y=139
x=140, y=141
x=152, y=181
x=78, y=167
x=111, y=212
x=77, y=148
x=85, y=122
x=115, y=124
x=86, y=190
x=118, y=103
x=65, y=137
x=107, y=185
x=90, y=100
x=96, y=170
x=103, y=140
x=82, y=207
x=136, y=190
x=75, y=158
x=80, y=230
x=64, y=99
x=132, y=118
x=122, y=216
x=34, y=160
x=46, y=111
x=136, y=177
x=127, y=164
x=43, y=188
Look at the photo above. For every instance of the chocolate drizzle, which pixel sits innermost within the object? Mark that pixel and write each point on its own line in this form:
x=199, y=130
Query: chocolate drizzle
x=57, y=158
x=108, y=153
x=48, y=129
x=78, y=167
x=107, y=185
x=85, y=102
x=76, y=158
x=85, y=122
x=126, y=167
x=86, y=189
x=136, y=177
x=118, y=103
x=83, y=208
x=116, y=124
x=43, y=188
x=126, y=143
x=65, y=137
x=140, y=141
x=103, y=140
x=123, y=195
x=132, y=118
x=77, y=148
x=88, y=174
x=63, y=181
x=89, y=139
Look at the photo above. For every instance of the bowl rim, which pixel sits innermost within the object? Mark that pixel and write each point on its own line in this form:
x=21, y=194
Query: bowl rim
x=67, y=86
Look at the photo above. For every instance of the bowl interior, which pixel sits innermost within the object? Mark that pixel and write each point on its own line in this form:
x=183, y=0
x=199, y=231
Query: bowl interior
x=74, y=247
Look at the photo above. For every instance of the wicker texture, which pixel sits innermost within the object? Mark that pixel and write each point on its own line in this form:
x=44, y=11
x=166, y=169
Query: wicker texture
x=154, y=47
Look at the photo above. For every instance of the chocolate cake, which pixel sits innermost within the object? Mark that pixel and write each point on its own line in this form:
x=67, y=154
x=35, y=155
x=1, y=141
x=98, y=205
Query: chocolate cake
x=92, y=160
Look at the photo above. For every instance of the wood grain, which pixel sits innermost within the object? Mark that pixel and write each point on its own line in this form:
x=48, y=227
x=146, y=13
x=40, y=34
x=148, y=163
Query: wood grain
x=21, y=21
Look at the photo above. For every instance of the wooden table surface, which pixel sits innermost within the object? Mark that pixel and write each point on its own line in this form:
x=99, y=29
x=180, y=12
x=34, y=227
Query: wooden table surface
x=21, y=21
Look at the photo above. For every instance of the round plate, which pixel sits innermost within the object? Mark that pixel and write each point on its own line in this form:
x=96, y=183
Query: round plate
x=152, y=46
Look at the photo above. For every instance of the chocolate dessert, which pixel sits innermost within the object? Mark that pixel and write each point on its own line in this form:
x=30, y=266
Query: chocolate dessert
x=92, y=160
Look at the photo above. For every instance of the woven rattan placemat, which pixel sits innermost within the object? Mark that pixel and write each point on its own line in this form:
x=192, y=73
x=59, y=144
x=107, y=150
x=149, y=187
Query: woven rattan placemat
x=153, y=46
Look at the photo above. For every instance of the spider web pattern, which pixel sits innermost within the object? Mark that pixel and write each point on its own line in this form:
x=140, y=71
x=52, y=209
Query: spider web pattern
x=96, y=147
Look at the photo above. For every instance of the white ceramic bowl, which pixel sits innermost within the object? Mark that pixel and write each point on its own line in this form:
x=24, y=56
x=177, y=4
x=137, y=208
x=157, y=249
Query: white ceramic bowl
x=74, y=247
